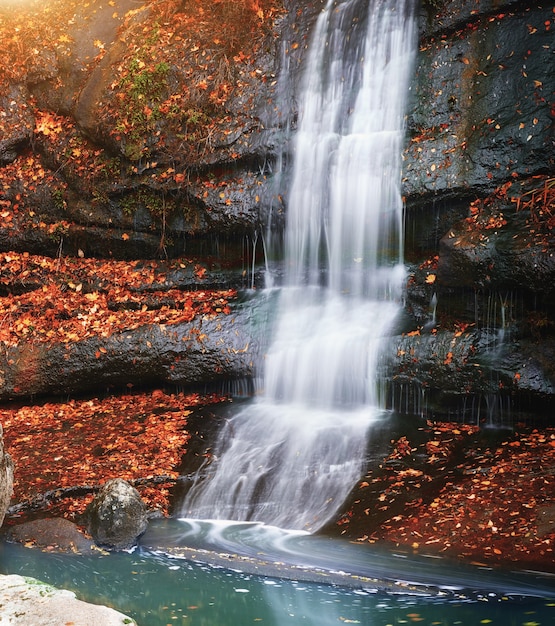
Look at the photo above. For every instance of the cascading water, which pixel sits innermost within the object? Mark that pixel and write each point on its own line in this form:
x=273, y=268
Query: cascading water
x=292, y=456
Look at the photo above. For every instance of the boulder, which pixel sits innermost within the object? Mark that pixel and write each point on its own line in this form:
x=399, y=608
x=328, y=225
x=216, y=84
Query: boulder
x=6, y=479
x=51, y=534
x=117, y=516
x=16, y=124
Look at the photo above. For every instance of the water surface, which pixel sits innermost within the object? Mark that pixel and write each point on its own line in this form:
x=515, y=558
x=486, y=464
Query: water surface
x=210, y=586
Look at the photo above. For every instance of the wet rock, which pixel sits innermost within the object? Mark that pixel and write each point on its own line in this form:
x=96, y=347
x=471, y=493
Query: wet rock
x=52, y=534
x=117, y=516
x=448, y=373
x=512, y=256
x=203, y=351
x=6, y=478
x=480, y=144
x=481, y=109
x=440, y=16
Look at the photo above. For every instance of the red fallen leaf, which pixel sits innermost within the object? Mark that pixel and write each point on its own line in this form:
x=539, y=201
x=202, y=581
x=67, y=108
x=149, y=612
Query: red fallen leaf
x=200, y=272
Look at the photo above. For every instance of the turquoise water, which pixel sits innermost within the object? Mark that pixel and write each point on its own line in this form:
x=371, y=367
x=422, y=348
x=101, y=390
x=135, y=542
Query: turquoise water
x=157, y=589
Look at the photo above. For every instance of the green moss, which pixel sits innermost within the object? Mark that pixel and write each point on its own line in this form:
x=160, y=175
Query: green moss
x=195, y=117
x=134, y=148
x=129, y=205
x=58, y=199
x=110, y=167
x=99, y=197
x=46, y=589
x=154, y=203
x=145, y=84
x=142, y=89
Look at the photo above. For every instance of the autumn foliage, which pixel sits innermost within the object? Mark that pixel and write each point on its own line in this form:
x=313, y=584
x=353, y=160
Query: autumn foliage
x=177, y=65
x=160, y=108
x=87, y=442
x=66, y=300
x=451, y=489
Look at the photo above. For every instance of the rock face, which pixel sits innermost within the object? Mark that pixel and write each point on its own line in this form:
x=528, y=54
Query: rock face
x=479, y=186
x=146, y=136
x=482, y=99
x=6, y=479
x=141, y=121
x=117, y=516
x=27, y=601
x=478, y=179
x=183, y=354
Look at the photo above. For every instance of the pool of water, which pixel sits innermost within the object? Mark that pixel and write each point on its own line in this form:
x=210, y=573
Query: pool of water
x=232, y=574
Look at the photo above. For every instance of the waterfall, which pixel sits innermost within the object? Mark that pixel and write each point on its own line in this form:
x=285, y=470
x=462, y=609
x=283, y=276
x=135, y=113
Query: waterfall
x=291, y=457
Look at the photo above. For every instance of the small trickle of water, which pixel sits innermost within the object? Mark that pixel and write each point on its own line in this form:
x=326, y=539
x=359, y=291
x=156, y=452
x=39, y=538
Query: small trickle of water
x=291, y=457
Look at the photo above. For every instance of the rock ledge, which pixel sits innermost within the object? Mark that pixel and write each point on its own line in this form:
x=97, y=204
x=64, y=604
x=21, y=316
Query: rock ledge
x=28, y=601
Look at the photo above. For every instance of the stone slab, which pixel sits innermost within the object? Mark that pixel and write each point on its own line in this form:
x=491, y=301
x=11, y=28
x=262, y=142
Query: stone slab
x=25, y=601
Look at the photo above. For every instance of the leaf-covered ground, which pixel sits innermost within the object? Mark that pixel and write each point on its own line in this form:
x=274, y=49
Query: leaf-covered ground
x=87, y=442
x=453, y=490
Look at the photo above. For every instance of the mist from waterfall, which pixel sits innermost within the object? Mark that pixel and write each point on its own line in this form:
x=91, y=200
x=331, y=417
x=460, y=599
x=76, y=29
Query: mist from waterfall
x=290, y=458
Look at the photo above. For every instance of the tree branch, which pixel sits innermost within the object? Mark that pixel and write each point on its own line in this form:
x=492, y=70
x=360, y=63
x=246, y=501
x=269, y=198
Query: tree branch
x=44, y=500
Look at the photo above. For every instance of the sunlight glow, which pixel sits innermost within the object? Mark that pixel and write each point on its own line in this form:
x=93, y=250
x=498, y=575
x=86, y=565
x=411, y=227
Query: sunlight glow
x=15, y=4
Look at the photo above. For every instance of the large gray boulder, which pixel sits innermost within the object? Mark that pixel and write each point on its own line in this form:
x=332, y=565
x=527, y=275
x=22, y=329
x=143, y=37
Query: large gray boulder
x=117, y=516
x=6, y=479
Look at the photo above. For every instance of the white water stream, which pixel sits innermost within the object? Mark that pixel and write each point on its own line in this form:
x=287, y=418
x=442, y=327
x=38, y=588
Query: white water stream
x=291, y=457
